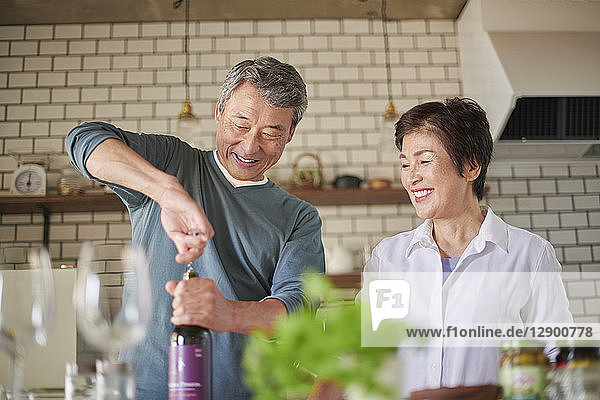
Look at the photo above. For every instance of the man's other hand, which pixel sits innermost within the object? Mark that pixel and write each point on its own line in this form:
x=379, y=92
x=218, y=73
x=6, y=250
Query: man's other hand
x=199, y=301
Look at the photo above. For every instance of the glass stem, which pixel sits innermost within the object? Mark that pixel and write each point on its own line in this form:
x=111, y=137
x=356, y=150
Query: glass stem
x=18, y=364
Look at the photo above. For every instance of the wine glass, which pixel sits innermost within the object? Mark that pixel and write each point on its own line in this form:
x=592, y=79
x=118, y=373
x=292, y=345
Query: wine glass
x=108, y=320
x=26, y=305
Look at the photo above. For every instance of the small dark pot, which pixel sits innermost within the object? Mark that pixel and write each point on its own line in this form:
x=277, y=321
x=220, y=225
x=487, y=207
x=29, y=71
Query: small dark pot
x=347, y=182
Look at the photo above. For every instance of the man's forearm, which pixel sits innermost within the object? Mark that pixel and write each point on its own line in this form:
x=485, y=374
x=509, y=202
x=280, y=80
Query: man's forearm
x=251, y=315
x=113, y=161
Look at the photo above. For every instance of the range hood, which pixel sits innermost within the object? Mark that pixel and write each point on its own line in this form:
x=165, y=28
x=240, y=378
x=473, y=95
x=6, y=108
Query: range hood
x=513, y=49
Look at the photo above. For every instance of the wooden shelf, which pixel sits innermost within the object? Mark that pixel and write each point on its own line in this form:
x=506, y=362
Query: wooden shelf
x=57, y=203
x=350, y=280
x=330, y=197
x=49, y=204
x=111, y=202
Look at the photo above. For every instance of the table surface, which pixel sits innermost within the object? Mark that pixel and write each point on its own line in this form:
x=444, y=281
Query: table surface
x=40, y=394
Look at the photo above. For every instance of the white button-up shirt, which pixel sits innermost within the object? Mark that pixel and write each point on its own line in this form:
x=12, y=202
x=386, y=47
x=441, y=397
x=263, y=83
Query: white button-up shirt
x=523, y=295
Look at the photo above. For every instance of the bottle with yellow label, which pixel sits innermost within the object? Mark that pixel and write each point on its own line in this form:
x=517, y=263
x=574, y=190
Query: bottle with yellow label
x=523, y=369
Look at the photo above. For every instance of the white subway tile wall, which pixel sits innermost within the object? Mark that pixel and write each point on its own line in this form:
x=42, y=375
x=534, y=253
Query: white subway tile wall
x=559, y=201
x=53, y=77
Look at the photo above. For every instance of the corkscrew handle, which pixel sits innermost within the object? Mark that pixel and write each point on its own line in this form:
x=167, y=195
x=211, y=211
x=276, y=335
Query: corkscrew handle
x=189, y=272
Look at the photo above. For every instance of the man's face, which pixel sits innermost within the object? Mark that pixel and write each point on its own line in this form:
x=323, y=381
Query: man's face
x=251, y=135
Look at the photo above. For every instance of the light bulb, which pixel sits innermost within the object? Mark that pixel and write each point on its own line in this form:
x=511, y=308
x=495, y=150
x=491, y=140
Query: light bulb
x=386, y=137
x=188, y=127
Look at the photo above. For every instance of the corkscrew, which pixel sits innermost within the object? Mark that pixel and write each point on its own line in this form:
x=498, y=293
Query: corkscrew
x=190, y=267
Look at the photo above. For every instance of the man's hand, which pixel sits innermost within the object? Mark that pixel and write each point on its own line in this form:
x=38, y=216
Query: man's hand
x=182, y=218
x=184, y=222
x=199, y=301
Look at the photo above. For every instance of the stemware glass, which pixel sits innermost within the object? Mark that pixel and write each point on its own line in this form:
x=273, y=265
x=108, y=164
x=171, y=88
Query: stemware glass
x=108, y=320
x=26, y=305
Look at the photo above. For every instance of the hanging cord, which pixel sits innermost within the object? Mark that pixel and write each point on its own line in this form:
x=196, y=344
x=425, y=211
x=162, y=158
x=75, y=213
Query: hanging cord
x=388, y=67
x=176, y=5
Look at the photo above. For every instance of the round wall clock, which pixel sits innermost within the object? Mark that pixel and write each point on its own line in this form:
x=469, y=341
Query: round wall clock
x=28, y=180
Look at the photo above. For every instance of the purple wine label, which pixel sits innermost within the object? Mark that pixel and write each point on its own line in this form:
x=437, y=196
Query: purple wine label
x=188, y=373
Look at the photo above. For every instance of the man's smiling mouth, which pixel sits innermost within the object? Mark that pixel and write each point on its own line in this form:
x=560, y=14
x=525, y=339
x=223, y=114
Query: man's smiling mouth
x=247, y=161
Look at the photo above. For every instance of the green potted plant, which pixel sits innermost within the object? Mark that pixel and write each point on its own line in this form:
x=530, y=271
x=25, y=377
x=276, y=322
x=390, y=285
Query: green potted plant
x=309, y=353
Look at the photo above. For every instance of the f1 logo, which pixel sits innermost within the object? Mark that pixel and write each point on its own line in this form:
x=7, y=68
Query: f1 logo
x=389, y=299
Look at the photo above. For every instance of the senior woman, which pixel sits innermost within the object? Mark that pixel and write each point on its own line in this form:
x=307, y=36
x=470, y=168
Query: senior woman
x=446, y=148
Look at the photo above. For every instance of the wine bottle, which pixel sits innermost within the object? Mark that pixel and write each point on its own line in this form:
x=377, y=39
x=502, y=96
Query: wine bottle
x=190, y=354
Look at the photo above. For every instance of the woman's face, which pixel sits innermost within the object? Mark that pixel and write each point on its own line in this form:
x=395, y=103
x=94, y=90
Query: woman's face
x=435, y=188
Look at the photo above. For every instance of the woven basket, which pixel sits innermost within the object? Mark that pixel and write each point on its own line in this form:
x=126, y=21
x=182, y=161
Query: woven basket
x=311, y=178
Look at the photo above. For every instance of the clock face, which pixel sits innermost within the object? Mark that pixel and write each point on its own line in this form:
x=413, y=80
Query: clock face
x=28, y=181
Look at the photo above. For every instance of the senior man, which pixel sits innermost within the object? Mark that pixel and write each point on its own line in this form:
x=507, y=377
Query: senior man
x=256, y=239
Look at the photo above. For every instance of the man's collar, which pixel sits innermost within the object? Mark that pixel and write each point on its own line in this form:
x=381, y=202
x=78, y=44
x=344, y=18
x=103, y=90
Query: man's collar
x=236, y=182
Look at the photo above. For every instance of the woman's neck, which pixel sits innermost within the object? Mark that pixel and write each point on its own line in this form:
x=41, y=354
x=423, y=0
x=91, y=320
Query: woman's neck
x=453, y=235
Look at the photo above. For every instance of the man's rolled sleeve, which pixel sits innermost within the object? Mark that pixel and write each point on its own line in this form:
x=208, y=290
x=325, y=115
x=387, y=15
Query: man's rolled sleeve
x=303, y=253
x=83, y=139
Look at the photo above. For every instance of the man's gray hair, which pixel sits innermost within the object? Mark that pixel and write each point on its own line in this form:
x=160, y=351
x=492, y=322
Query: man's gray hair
x=279, y=84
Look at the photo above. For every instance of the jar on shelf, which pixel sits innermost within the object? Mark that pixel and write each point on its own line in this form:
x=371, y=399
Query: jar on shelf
x=523, y=369
x=70, y=183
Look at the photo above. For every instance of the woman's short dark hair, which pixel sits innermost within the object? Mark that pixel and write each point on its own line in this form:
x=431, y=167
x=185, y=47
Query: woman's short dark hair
x=462, y=127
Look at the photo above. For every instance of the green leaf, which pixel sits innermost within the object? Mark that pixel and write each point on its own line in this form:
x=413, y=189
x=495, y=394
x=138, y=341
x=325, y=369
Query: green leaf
x=326, y=346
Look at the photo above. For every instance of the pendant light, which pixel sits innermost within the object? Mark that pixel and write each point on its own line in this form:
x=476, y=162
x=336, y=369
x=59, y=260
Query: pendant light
x=390, y=116
x=188, y=126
